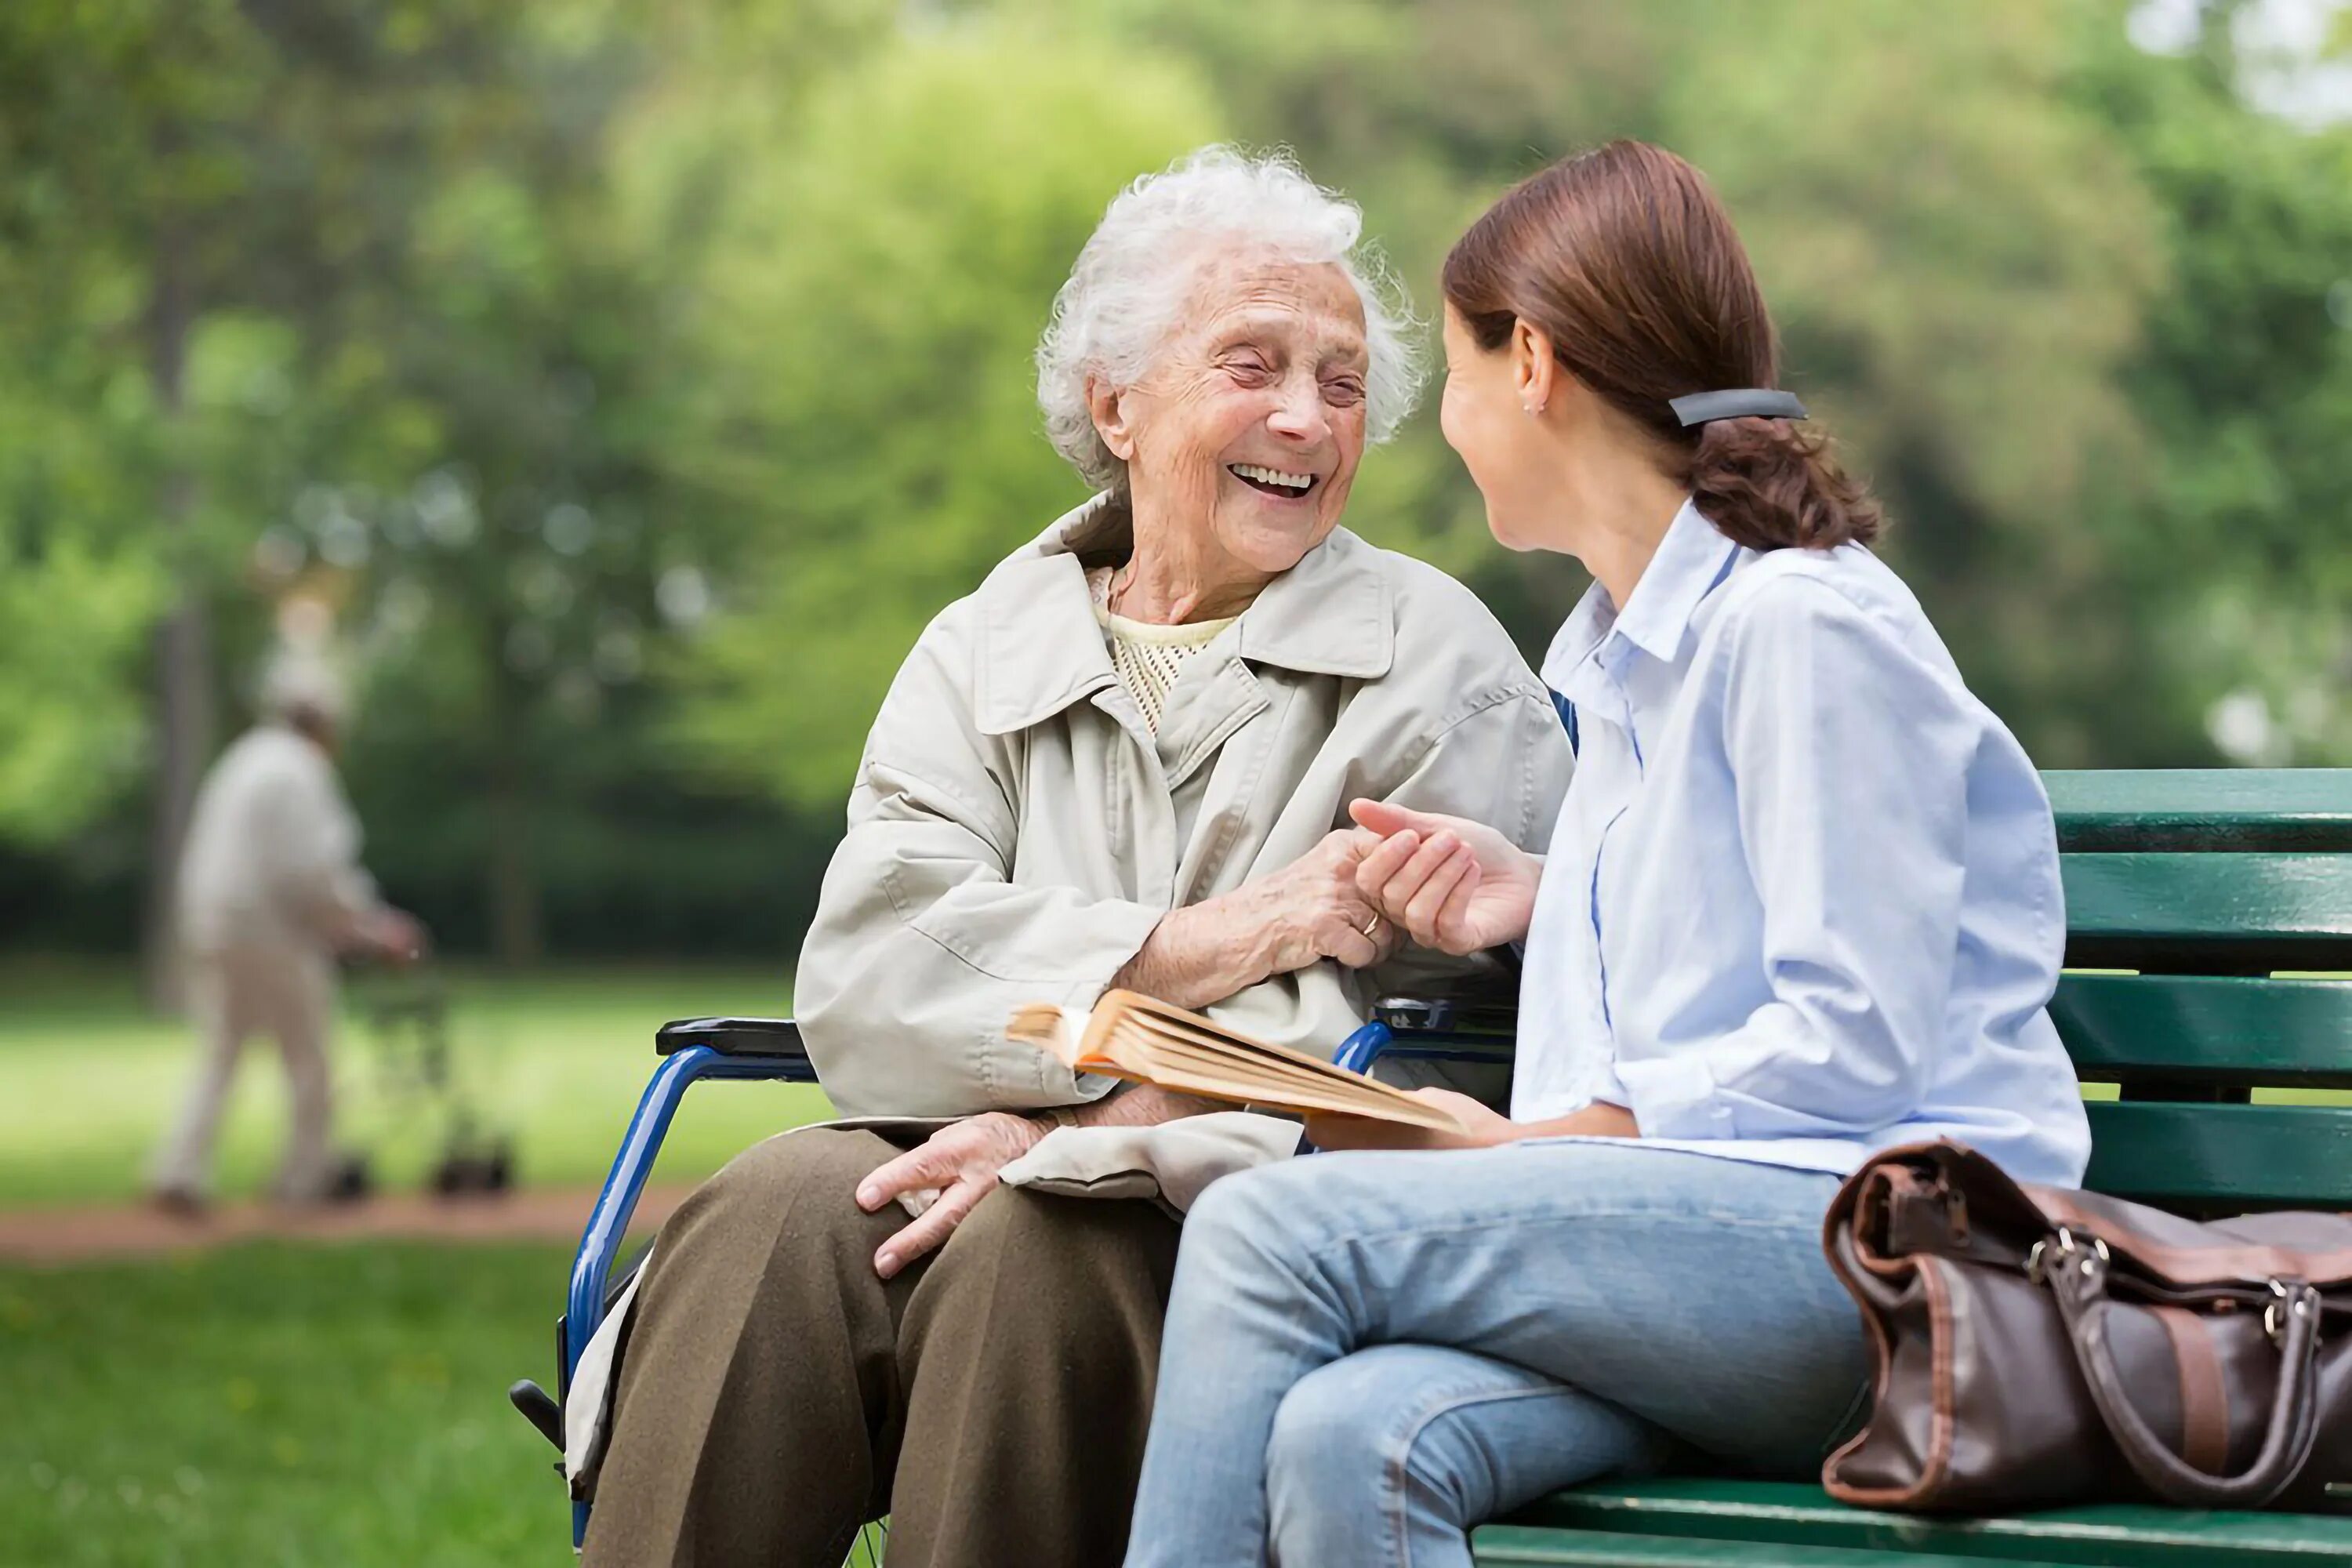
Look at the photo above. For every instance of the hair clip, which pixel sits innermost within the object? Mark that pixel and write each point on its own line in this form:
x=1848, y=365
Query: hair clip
x=1742, y=403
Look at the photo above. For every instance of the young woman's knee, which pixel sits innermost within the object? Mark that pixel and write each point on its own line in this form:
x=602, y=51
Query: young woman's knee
x=1367, y=1439
x=1246, y=1215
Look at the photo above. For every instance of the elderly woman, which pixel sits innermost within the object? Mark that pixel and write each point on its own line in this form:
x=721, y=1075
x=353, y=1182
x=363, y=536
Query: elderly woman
x=1125, y=760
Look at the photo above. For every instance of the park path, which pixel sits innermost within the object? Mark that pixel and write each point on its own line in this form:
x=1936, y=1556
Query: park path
x=68, y=1236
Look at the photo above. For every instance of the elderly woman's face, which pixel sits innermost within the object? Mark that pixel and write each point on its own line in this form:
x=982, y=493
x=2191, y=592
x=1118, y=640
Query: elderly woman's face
x=1251, y=419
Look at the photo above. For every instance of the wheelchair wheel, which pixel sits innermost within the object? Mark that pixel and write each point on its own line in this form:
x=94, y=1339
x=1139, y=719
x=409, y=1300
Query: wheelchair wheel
x=484, y=1166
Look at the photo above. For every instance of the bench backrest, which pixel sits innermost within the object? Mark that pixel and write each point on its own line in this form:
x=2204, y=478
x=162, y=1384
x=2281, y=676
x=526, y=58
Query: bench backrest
x=2215, y=911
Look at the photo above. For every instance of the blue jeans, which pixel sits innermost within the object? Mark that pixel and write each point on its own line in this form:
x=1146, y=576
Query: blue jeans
x=1367, y=1354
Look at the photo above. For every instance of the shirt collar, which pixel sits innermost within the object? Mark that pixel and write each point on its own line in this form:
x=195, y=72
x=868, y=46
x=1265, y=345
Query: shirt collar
x=1041, y=650
x=1689, y=562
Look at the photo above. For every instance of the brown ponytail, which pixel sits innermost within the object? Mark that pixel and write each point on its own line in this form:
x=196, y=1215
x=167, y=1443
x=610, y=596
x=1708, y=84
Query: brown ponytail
x=1625, y=258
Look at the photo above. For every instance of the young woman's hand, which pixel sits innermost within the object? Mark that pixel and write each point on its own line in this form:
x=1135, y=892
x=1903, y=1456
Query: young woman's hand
x=1452, y=885
x=1482, y=1128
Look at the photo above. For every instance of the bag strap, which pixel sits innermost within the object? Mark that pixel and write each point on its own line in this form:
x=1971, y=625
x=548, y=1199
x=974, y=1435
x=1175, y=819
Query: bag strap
x=2078, y=1279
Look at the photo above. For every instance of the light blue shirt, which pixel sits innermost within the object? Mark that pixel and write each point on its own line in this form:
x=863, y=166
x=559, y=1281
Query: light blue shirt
x=1802, y=902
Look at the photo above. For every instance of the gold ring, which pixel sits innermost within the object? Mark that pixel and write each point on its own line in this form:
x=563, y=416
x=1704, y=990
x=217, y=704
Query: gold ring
x=1370, y=926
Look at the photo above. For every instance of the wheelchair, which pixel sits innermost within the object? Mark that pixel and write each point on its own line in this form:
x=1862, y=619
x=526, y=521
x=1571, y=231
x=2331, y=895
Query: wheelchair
x=1474, y=1027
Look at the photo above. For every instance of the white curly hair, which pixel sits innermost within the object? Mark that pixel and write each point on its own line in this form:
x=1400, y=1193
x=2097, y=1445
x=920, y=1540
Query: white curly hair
x=1132, y=280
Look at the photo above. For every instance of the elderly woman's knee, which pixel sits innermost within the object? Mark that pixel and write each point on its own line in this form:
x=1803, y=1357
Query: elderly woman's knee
x=804, y=1182
x=1089, y=1271
x=818, y=1159
x=1050, y=1237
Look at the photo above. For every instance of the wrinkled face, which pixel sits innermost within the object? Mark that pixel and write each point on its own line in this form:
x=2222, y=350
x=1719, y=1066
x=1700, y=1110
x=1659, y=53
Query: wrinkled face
x=1487, y=425
x=1250, y=422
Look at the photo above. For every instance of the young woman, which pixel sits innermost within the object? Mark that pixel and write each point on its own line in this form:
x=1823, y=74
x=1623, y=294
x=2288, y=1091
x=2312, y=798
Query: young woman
x=1801, y=904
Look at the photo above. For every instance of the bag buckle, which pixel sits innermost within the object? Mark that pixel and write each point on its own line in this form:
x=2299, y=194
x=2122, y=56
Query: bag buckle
x=2057, y=1249
x=2299, y=1299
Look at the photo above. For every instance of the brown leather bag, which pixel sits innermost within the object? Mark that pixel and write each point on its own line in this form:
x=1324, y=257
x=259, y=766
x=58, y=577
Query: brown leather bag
x=2038, y=1346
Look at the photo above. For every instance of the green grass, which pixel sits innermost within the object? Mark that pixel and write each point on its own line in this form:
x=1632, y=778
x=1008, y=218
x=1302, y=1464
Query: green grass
x=273, y=1404
x=89, y=1080
x=281, y=1407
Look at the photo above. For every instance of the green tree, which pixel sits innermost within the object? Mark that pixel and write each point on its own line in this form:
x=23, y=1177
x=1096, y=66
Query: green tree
x=868, y=311
x=114, y=123
x=75, y=607
x=2236, y=548
x=225, y=205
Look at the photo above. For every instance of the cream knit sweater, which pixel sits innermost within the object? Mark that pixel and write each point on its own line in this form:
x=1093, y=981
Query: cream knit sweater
x=1146, y=658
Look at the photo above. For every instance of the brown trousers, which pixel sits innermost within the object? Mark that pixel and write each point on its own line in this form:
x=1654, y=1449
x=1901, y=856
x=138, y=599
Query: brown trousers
x=774, y=1393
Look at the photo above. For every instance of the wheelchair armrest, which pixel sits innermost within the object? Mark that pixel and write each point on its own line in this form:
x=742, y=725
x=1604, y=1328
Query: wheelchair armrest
x=772, y=1038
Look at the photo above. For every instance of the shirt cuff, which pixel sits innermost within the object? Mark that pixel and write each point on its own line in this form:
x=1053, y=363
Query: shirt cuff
x=1602, y=1085
x=1676, y=1096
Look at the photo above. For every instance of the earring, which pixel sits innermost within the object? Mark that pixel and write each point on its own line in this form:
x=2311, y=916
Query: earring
x=1531, y=408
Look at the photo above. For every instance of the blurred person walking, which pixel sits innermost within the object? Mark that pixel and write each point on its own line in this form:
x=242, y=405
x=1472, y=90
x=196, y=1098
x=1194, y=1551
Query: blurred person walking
x=270, y=888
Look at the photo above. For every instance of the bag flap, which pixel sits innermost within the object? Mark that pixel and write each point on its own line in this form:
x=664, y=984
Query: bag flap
x=2250, y=1249
x=1949, y=1200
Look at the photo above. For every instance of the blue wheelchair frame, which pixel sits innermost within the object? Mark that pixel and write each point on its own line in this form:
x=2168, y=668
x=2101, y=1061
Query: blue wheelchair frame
x=770, y=1050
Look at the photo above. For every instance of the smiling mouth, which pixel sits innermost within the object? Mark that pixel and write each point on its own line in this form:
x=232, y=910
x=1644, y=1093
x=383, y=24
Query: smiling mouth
x=1273, y=481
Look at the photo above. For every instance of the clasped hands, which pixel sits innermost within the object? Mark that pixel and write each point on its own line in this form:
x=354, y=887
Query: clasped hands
x=1452, y=885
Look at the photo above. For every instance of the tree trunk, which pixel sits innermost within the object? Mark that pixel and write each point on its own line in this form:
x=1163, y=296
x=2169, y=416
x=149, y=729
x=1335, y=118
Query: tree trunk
x=183, y=688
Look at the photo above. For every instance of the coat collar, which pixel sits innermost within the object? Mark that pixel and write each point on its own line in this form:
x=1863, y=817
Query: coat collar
x=1041, y=649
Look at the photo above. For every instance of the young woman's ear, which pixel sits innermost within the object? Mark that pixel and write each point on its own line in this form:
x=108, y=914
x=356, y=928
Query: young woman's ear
x=1109, y=412
x=1534, y=368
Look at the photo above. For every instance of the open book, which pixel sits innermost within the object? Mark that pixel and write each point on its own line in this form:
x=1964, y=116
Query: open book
x=1135, y=1036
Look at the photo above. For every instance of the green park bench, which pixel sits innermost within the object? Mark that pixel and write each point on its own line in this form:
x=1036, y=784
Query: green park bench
x=2203, y=910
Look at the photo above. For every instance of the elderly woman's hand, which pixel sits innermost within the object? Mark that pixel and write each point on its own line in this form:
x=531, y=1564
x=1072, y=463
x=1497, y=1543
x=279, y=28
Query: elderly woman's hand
x=1314, y=908
x=959, y=1163
x=1309, y=910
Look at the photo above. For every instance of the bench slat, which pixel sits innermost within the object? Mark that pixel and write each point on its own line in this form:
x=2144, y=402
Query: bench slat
x=2209, y=913
x=2240, y=809
x=2254, y=1156
x=1717, y=1510
x=1509, y=1546
x=2210, y=1028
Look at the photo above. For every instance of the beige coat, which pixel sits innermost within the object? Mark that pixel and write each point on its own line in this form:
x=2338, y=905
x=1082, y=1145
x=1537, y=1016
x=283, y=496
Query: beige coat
x=1016, y=831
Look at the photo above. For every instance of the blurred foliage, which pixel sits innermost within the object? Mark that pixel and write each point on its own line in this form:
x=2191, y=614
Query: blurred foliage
x=635, y=379
x=75, y=603
x=866, y=315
